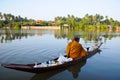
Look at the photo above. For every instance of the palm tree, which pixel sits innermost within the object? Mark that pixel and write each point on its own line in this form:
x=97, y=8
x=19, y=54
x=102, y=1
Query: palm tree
x=107, y=20
x=1, y=19
x=1, y=16
x=58, y=21
x=71, y=21
x=94, y=19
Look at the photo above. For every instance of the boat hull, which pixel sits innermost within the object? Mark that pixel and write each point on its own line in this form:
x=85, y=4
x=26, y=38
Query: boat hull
x=30, y=67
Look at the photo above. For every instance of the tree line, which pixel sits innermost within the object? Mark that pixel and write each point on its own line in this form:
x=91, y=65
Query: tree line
x=9, y=20
x=88, y=21
x=96, y=21
x=15, y=22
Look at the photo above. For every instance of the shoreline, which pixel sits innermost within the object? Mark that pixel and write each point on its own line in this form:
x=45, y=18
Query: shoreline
x=40, y=27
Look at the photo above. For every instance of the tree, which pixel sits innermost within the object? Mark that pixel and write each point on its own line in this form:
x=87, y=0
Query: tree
x=1, y=19
x=107, y=20
x=71, y=21
x=1, y=16
x=59, y=21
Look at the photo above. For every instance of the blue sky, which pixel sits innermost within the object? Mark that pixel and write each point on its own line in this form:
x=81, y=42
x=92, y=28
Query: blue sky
x=49, y=9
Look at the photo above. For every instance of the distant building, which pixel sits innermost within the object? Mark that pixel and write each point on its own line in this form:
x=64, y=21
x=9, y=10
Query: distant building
x=38, y=21
x=118, y=29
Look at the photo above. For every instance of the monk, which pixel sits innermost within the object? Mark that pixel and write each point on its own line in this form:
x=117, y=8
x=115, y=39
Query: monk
x=74, y=49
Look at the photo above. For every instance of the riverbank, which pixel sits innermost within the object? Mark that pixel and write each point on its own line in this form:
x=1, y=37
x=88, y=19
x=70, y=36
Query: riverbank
x=40, y=27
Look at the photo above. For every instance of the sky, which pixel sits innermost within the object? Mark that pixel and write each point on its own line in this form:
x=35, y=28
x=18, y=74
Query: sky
x=49, y=9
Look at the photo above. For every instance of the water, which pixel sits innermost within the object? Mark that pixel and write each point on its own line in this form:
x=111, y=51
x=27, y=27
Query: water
x=30, y=46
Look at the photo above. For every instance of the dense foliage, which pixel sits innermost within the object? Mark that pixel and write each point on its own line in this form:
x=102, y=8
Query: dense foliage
x=14, y=22
x=87, y=22
x=71, y=22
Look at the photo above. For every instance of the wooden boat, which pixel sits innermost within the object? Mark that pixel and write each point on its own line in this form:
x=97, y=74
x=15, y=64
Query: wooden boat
x=40, y=69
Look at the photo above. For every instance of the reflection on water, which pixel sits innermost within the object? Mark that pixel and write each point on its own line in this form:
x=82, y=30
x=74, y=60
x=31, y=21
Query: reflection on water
x=29, y=46
x=9, y=35
x=74, y=70
x=46, y=75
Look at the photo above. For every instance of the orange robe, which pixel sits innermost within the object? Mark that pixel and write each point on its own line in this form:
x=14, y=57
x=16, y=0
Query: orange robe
x=75, y=50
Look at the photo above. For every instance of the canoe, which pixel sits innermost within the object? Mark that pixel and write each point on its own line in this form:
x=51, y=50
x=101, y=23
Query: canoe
x=52, y=64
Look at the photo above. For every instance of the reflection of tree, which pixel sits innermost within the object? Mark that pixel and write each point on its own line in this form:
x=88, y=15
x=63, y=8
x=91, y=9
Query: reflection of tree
x=109, y=36
x=89, y=35
x=64, y=34
x=86, y=35
x=9, y=35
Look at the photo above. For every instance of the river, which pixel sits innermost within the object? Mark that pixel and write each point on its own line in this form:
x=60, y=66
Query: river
x=30, y=46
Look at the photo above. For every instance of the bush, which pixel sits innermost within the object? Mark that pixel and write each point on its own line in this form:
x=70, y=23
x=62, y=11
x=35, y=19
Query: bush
x=17, y=26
